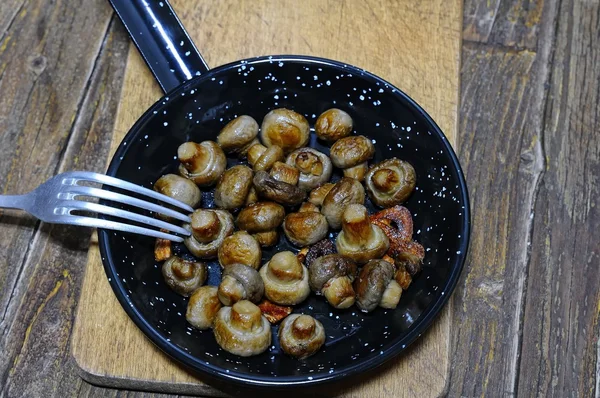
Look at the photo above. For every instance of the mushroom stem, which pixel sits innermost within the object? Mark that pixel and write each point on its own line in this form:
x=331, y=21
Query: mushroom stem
x=205, y=225
x=255, y=152
x=309, y=163
x=192, y=155
x=391, y=295
x=339, y=292
x=303, y=327
x=385, y=180
x=231, y=291
x=245, y=316
x=285, y=267
x=183, y=269
x=356, y=224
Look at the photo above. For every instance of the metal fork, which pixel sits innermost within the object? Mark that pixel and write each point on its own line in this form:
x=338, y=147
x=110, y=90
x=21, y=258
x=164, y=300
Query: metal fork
x=56, y=199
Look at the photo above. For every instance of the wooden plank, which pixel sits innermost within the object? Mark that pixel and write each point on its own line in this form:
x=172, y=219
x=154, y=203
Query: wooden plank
x=561, y=325
x=35, y=343
x=501, y=127
x=512, y=24
x=41, y=95
x=228, y=30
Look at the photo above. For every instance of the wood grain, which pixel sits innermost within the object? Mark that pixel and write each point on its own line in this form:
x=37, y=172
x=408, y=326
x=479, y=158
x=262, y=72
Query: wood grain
x=41, y=307
x=561, y=322
x=229, y=30
x=527, y=311
x=555, y=57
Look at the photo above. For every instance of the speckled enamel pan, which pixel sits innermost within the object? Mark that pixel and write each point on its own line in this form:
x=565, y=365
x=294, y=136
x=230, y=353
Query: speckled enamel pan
x=196, y=108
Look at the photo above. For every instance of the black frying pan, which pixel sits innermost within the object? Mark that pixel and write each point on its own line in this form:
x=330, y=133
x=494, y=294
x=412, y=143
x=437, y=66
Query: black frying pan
x=198, y=103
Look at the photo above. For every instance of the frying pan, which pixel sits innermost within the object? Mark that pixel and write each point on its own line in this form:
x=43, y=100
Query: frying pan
x=197, y=104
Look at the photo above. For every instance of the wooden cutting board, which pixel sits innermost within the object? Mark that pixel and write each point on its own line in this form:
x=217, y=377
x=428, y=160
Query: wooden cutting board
x=414, y=45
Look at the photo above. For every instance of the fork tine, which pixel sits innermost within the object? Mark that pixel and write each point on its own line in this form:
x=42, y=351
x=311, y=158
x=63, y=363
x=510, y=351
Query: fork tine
x=117, y=197
x=107, y=224
x=115, y=182
x=102, y=209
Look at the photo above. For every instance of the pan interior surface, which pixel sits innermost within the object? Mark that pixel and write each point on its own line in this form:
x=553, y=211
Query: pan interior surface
x=196, y=111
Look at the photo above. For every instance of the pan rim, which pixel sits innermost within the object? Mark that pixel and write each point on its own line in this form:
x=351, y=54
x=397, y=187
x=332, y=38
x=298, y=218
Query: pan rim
x=281, y=382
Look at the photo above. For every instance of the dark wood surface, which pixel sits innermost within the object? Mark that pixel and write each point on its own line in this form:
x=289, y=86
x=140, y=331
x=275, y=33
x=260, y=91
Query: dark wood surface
x=526, y=309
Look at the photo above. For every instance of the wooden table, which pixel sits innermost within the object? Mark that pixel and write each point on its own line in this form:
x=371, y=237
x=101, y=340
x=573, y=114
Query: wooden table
x=526, y=309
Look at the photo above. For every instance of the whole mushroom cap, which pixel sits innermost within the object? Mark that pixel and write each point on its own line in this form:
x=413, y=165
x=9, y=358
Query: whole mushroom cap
x=285, y=279
x=260, y=217
x=305, y=228
x=238, y=135
x=301, y=335
x=184, y=276
x=179, y=188
x=202, y=163
x=390, y=182
x=248, y=278
x=242, y=330
x=351, y=151
x=207, y=235
x=203, y=307
x=240, y=247
x=333, y=124
x=285, y=128
x=233, y=187
x=314, y=166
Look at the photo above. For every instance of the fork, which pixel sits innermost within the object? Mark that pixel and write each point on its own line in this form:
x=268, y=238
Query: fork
x=55, y=200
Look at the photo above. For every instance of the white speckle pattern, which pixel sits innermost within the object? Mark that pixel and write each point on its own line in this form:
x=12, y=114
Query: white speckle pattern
x=439, y=186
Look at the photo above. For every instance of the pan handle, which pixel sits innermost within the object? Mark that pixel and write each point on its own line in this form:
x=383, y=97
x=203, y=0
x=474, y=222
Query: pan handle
x=162, y=40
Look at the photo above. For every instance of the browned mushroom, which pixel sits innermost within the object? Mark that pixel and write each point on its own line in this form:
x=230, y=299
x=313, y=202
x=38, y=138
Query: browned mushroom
x=314, y=166
x=240, y=282
x=208, y=230
x=318, y=194
x=357, y=172
x=261, y=219
x=390, y=182
x=240, y=247
x=202, y=163
x=305, y=227
x=267, y=238
x=285, y=128
x=267, y=158
x=375, y=286
x=278, y=191
x=285, y=279
x=346, y=191
x=238, y=135
x=360, y=240
x=252, y=196
x=184, y=276
x=308, y=207
x=242, y=330
x=233, y=187
x=285, y=173
x=203, y=307
x=300, y=336
x=179, y=188
x=351, y=151
x=333, y=124
x=332, y=275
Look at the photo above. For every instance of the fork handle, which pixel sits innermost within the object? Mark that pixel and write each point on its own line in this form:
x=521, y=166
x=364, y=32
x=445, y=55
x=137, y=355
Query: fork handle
x=15, y=202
